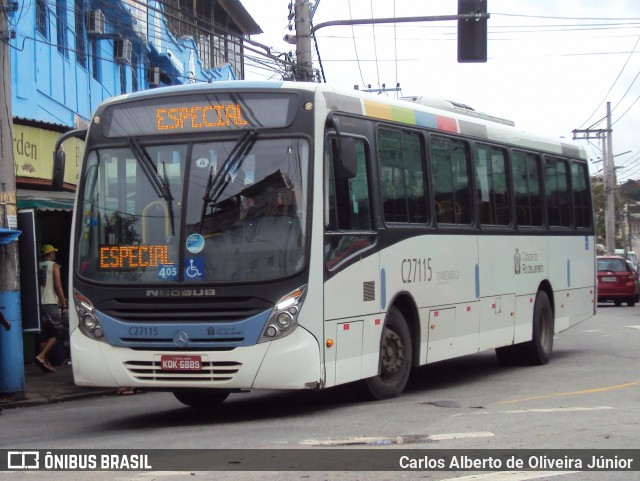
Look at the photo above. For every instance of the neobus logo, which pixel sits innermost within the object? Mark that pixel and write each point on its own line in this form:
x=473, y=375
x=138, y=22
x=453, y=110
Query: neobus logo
x=181, y=292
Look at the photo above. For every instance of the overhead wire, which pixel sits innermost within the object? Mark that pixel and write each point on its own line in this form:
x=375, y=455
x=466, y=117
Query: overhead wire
x=614, y=83
x=355, y=46
x=375, y=45
x=395, y=43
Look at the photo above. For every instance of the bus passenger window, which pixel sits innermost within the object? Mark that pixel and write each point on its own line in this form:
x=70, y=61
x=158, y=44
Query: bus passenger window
x=557, y=192
x=526, y=188
x=401, y=176
x=451, y=186
x=491, y=184
x=580, y=188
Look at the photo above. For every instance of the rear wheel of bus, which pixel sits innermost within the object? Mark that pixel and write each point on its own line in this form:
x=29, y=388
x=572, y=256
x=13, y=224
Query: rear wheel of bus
x=200, y=398
x=395, y=358
x=537, y=351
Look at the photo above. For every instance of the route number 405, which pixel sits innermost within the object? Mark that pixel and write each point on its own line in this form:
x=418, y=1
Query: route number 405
x=168, y=272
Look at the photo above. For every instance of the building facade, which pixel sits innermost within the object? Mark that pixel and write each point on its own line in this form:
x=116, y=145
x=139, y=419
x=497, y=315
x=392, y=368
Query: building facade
x=68, y=56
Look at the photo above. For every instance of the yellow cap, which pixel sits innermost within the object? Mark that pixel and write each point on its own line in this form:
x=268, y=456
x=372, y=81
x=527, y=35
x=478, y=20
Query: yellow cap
x=47, y=248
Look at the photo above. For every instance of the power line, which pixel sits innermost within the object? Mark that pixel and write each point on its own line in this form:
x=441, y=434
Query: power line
x=355, y=46
x=615, y=81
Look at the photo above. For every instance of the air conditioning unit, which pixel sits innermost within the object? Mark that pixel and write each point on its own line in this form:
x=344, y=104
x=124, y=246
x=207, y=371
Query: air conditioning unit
x=154, y=77
x=95, y=23
x=122, y=50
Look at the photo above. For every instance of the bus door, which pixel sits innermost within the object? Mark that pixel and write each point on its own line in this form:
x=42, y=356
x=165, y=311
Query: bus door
x=352, y=287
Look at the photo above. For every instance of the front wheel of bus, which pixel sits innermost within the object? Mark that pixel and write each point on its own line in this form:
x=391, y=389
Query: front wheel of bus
x=201, y=398
x=395, y=358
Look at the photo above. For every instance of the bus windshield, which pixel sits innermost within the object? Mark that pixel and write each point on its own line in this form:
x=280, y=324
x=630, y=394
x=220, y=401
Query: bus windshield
x=220, y=211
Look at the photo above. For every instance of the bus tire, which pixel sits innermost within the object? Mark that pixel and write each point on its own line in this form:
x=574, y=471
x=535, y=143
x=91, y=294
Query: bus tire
x=396, y=355
x=538, y=351
x=201, y=398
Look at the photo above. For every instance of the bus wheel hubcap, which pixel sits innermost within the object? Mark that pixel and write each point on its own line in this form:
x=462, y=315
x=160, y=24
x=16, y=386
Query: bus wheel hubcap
x=392, y=352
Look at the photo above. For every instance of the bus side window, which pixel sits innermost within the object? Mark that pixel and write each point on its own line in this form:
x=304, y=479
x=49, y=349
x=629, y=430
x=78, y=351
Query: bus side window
x=401, y=176
x=451, y=185
x=580, y=189
x=557, y=192
x=347, y=206
x=526, y=188
x=491, y=184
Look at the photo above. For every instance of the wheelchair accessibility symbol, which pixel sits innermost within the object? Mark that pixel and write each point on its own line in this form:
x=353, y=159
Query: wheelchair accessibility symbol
x=194, y=269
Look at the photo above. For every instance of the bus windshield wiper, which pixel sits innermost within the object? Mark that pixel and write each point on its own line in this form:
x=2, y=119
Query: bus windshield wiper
x=217, y=185
x=160, y=185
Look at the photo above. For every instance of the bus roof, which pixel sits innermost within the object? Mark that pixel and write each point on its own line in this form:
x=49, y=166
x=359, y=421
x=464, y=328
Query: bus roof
x=436, y=114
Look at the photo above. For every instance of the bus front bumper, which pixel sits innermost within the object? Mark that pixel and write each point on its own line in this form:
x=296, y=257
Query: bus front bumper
x=292, y=362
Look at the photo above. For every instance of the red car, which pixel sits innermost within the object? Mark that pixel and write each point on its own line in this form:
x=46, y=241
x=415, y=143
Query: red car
x=616, y=281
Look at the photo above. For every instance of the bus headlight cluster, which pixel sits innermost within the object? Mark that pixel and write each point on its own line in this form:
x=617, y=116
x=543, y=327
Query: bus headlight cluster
x=87, y=320
x=284, y=318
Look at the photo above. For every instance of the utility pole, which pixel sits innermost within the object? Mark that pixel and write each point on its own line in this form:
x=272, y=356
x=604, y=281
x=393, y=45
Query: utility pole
x=304, y=68
x=610, y=190
x=608, y=171
x=11, y=351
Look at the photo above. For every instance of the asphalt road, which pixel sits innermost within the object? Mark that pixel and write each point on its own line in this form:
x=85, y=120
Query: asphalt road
x=587, y=397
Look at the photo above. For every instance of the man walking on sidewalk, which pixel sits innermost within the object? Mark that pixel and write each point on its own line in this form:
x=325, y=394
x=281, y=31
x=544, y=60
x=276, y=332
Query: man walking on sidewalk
x=51, y=301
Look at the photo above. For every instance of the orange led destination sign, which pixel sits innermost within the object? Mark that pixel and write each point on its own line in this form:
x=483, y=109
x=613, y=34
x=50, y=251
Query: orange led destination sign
x=129, y=257
x=199, y=116
x=199, y=112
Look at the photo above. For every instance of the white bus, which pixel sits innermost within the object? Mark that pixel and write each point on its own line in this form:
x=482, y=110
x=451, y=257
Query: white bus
x=272, y=235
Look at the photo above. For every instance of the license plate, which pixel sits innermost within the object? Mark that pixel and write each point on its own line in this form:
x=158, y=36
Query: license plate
x=181, y=363
x=608, y=279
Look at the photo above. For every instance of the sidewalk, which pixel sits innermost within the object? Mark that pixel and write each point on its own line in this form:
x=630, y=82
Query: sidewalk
x=41, y=388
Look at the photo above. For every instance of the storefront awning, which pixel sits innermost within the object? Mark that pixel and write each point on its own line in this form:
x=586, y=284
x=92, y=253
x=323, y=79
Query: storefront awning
x=45, y=200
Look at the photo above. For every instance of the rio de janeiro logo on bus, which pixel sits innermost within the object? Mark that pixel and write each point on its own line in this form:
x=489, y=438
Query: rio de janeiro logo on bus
x=195, y=243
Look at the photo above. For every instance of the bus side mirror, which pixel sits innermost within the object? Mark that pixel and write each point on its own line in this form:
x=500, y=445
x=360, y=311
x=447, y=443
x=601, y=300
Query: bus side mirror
x=347, y=158
x=58, y=169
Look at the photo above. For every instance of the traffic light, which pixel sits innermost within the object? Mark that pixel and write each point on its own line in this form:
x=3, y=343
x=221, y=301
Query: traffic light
x=472, y=32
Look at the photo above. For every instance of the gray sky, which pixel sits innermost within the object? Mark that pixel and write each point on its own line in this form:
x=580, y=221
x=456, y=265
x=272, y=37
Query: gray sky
x=552, y=64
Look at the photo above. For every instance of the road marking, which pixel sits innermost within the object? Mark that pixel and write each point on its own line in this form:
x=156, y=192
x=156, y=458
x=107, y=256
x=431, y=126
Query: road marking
x=441, y=437
x=634, y=327
x=511, y=476
x=556, y=410
x=386, y=440
x=574, y=393
x=167, y=474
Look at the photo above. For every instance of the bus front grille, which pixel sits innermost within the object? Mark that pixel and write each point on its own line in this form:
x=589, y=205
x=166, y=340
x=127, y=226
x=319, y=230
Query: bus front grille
x=172, y=310
x=211, y=372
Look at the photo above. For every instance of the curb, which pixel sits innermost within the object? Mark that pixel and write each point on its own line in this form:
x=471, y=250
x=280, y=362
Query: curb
x=39, y=401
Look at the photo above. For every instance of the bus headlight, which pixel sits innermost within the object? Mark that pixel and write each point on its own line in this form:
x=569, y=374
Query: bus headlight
x=284, y=318
x=89, y=324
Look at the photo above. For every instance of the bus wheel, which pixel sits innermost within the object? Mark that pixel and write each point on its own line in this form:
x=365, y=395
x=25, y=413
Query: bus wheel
x=395, y=358
x=201, y=398
x=538, y=350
